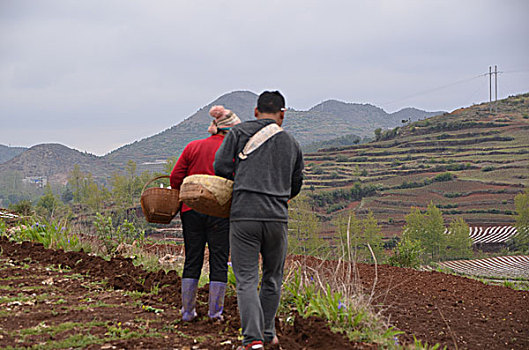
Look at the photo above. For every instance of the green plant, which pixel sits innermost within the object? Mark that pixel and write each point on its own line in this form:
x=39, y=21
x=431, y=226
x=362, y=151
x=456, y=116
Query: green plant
x=407, y=253
x=3, y=227
x=149, y=308
x=117, y=331
x=23, y=207
x=520, y=241
x=112, y=236
x=232, y=281
x=444, y=177
x=52, y=234
x=346, y=313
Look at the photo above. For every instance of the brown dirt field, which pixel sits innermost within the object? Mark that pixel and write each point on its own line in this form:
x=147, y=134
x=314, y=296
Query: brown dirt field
x=47, y=296
x=436, y=307
x=445, y=309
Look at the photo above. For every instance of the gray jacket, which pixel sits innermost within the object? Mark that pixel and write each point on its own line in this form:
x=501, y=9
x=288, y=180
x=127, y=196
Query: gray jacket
x=267, y=179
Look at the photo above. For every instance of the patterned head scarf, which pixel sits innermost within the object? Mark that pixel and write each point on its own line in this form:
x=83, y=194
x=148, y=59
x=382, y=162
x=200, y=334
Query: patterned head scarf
x=224, y=119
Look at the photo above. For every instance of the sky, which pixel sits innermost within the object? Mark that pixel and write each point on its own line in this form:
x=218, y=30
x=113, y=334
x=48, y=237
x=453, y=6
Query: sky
x=98, y=74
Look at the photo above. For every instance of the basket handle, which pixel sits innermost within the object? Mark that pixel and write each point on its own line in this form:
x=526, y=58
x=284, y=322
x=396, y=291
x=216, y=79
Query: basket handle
x=154, y=179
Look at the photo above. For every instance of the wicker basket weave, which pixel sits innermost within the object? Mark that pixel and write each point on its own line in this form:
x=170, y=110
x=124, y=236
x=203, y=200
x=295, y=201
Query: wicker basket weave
x=159, y=205
x=207, y=194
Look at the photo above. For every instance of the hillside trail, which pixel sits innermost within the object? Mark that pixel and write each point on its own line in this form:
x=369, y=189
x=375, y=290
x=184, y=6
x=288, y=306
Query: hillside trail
x=435, y=307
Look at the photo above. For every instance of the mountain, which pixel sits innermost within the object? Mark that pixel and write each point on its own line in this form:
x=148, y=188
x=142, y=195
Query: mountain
x=55, y=161
x=327, y=120
x=411, y=115
x=470, y=163
x=7, y=153
x=171, y=142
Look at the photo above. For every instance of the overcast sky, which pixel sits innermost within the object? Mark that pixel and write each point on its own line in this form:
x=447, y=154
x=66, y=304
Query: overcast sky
x=95, y=75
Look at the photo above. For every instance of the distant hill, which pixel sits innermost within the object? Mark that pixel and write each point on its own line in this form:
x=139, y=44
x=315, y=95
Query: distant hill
x=7, y=153
x=470, y=163
x=171, y=142
x=325, y=121
x=341, y=141
x=55, y=161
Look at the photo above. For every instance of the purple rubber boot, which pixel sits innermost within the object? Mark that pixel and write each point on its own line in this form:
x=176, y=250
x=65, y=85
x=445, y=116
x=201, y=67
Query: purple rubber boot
x=189, y=294
x=216, y=299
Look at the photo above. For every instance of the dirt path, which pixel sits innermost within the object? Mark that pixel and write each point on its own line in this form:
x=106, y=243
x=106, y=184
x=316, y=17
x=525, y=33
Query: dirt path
x=113, y=304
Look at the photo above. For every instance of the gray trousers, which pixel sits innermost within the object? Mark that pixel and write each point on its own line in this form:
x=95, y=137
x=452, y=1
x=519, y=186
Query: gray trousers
x=257, y=310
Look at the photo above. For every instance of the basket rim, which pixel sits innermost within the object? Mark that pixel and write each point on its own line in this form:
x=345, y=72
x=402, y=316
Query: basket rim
x=153, y=179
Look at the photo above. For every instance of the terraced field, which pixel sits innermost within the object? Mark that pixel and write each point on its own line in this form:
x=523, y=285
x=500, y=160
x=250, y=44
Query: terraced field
x=495, y=234
x=470, y=163
x=503, y=266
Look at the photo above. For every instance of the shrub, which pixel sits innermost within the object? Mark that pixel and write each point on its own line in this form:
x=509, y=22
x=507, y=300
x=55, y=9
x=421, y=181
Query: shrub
x=342, y=158
x=488, y=168
x=444, y=177
x=335, y=207
x=454, y=194
x=318, y=170
x=407, y=254
x=23, y=207
x=112, y=236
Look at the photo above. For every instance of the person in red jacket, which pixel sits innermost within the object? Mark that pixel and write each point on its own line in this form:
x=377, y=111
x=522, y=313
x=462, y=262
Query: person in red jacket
x=199, y=229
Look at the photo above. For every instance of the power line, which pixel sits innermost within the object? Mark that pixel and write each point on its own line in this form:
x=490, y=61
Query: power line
x=435, y=89
x=424, y=92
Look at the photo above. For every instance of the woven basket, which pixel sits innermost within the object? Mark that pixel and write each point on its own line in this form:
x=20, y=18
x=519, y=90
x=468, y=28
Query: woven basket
x=207, y=194
x=159, y=205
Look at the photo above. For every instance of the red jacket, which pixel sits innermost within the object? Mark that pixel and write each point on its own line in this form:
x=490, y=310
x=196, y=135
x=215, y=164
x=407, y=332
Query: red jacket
x=197, y=158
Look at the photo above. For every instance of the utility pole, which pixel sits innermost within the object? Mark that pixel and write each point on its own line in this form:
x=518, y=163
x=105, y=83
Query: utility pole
x=495, y=83
x=490, y=89
x=495, y=86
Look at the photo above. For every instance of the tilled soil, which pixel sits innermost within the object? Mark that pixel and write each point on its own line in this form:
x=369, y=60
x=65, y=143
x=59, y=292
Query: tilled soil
x=435, y=307
x=119, y=305
x=49, y=297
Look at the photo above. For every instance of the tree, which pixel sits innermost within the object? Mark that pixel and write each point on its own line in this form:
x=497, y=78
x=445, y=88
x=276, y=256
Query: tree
x=76, y=180
x=48, y=203
x=520, y=242
x=83, y=189
x=428, y=229
x=126, y=189
x=458, y=241
x=378, y=134
x=169, y=165
x=304, y=229
x=372, y=234
x=356, y=234
x=96, y=196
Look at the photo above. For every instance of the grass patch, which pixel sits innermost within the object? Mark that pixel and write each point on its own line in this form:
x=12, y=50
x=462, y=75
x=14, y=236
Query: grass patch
x=43, y=328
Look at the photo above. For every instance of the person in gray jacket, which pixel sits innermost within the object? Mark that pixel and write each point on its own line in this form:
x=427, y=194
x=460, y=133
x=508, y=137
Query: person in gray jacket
x=264, y=181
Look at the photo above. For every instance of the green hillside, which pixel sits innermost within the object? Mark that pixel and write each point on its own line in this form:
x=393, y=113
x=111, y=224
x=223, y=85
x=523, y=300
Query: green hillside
x=325, y=121
x=470, y=163
x=55, y=161
x=171, y=142
x=329, y=120
x=8, y=153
